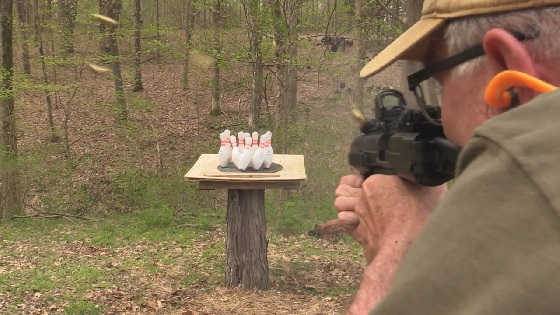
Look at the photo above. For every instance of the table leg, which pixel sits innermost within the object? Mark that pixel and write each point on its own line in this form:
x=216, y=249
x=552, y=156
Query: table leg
x=246, y=244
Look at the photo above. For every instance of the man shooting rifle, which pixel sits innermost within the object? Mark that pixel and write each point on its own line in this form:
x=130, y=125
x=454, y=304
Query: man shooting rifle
x=491, y=244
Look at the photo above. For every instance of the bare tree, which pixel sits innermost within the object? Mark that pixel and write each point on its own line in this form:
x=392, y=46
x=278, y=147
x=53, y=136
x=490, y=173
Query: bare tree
x=253, y=16
x=413, y=11
x=215, y=81
x=361, y=35
x=280, y=53
x=137, y=47
x=285, y=21
x=67, y=12
x=104, y=45
x=38, y=35
x=23, y=16
x=292, y=21
x=189, y=27
x=112, y=9
x=9, y=197
x=158, y=36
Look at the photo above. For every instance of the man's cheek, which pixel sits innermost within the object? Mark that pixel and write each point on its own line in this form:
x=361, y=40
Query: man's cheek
x=447, y=120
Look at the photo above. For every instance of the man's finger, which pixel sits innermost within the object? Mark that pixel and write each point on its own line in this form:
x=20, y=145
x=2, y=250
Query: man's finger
x=347, y=191
x=352, y=180
x=345, y=203
x=349, y=218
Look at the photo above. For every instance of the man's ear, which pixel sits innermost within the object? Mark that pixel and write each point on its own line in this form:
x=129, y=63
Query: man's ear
x=507, y=52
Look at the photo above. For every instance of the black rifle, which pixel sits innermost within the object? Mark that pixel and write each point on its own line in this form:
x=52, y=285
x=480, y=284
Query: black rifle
x=405, y=142
x=399, y=141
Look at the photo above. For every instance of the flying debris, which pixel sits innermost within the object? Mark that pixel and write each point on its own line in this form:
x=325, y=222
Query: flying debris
x=98, y=69
x=104, y=19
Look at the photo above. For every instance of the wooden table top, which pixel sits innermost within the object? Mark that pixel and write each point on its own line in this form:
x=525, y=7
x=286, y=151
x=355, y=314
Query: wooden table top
x=205, y=172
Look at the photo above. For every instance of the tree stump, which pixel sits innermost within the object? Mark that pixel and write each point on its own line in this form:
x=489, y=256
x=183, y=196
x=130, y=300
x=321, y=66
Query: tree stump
x=246, y=244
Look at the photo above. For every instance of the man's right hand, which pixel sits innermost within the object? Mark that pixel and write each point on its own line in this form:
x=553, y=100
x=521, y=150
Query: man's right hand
x=386, y=213
x=384, y=208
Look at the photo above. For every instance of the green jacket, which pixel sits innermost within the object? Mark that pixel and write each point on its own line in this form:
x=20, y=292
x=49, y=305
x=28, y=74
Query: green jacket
x=493, y=244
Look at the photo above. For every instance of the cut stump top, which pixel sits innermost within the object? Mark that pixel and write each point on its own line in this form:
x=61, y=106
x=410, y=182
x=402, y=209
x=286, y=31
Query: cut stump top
x=205, y=171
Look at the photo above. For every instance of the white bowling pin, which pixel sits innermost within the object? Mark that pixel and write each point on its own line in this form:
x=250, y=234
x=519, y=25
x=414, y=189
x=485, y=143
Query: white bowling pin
x=246, y=157
x=234, y=151
x=223, y=152
x=229, y=148
x=268, y=152
x=255, y=144
x=241, y=137
x=258, y=157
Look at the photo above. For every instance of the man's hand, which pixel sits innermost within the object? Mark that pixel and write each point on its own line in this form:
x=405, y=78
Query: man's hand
x=389, y=212
x=347, y=195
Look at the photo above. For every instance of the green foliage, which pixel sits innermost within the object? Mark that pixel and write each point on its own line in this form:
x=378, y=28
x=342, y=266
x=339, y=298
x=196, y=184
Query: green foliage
x=105, y=236
x=194, y=278
x=214, y=255
x=155, y=218
x=336, y=291
x=141, y=104
x=81, y=308
x=86, y=274
x=5, y=92
x=298, y=214
x=138, y=189
x=25, y=228
x=41, y=281
x=156, y=224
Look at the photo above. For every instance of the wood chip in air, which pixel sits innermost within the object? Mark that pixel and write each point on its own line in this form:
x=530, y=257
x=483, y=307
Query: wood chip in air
x=98, y=69
x=357, y=114
x=104, y=19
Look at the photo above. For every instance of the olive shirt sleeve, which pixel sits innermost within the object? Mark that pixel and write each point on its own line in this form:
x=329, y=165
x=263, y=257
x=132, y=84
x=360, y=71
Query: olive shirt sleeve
x=493, y=245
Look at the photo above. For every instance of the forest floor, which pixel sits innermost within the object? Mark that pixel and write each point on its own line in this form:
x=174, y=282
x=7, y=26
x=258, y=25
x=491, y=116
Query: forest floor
x=146, y=263
x=161, y=249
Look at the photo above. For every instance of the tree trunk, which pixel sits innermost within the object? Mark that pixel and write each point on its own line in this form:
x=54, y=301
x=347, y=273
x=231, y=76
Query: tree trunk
x=397, y=12
x=255, y=34
x=413, y=12
x=158, y=37
x=430, y=87
x=104, y=30
x=68, y=10
x=189, y=27
x=216, y=91
x=38, y=34
x=281, y=55
x=293, y=22
x=9, y=191
x=22, y=10
x=137, y=47
x=113, y=10
x=216, y=88
x=361, y=19
x=246, y=244
x=285, y=15
x=256, y=98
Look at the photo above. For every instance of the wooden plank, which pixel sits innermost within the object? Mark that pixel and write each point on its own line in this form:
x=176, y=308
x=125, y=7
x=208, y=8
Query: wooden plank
x=205, y=169
x=211, y=185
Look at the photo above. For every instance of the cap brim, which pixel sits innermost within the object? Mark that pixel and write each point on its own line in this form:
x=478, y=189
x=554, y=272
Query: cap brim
x=411, y=44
